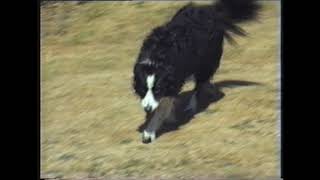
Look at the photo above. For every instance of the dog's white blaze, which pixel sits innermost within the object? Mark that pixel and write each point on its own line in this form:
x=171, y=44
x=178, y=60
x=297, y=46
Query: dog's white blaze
x=150, y=81
x=149, y=99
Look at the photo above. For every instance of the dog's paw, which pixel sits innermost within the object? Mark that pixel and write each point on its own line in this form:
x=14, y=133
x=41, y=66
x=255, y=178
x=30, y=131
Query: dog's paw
x=148, y=137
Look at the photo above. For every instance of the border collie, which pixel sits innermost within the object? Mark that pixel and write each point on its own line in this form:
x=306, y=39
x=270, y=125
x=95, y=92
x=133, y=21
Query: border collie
x=189, y=45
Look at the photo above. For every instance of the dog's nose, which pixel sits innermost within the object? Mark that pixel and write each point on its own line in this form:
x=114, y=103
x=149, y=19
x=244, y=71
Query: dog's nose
x=147, y=109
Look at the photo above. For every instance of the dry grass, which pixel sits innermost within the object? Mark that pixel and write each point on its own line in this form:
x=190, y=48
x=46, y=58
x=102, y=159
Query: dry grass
x=89, y=113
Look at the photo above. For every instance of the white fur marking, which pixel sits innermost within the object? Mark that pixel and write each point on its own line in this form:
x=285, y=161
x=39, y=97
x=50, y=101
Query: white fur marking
x=147, y=135
x=150, y=81
x=149, y=99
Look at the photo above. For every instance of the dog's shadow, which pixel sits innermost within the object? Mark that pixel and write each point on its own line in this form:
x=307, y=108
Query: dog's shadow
x=208, y=95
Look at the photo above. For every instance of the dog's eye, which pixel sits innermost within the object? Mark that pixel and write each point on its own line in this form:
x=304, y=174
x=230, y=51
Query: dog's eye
x=144, y=90
x=156, y=91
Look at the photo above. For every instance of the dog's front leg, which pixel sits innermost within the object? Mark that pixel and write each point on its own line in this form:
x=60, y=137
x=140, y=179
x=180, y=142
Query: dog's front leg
x=160, y=114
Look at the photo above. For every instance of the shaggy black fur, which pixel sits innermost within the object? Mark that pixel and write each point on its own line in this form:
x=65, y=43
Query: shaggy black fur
x=191, y=43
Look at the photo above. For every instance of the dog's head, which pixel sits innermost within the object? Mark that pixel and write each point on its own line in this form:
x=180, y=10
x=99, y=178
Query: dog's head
x=152, y=82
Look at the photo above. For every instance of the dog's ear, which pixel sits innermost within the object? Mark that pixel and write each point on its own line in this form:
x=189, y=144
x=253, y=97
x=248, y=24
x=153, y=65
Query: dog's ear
x=137, y=72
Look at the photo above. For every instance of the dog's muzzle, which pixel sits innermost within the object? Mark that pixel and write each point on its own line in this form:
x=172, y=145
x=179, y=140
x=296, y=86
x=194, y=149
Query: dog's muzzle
x=147, y=109
x=149, y=103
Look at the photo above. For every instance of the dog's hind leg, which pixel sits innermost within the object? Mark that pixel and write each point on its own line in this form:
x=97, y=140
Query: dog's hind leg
x=158, y=117
x=193, y=103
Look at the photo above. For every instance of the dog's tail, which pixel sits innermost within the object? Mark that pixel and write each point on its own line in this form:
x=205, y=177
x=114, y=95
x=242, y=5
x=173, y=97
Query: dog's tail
x=237, y=10
x=231, y=12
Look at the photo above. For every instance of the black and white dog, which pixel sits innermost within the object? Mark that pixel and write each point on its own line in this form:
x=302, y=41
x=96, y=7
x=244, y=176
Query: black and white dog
x=190, y=44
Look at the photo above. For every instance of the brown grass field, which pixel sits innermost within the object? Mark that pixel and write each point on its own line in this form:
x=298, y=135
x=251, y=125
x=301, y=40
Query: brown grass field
x=89, y=113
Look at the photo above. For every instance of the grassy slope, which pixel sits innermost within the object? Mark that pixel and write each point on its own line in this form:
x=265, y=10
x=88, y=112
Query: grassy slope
x=89, y=113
